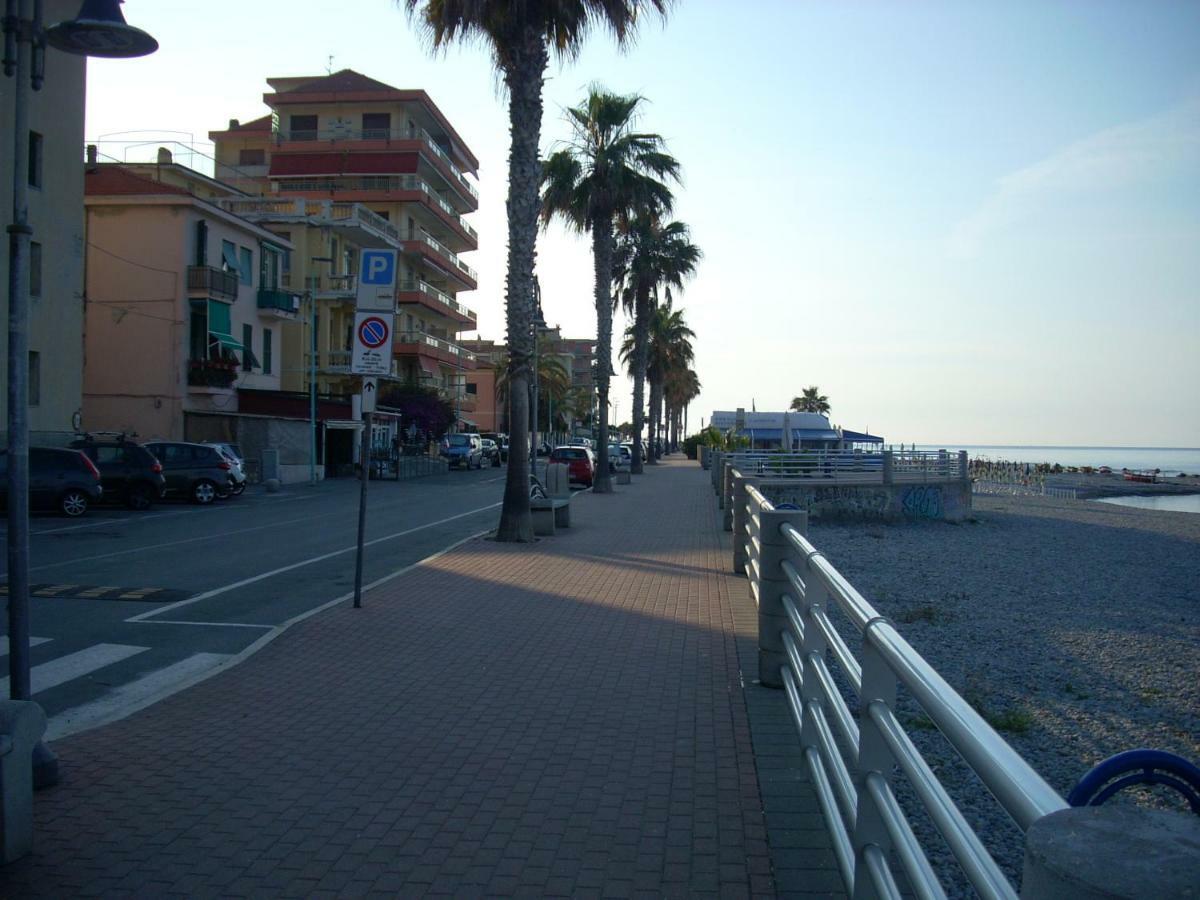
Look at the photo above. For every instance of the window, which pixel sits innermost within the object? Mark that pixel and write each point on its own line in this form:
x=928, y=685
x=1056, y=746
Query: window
x=304, y=128
x=35, y=269
x=35, y=159
x=35, y=378
x=266, y=360
x=246, y=266
x=472, y=387
x=376, y=125
x=252, y=157
x=383, y=214
x=247, y=343
x=229, y=260
x=202, y=243
x=199, y=331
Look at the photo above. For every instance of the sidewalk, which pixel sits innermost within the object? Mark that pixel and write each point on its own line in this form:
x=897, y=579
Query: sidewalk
x=567, y=718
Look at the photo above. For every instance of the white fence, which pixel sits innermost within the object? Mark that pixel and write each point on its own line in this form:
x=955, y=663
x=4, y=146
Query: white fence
x=851, y=757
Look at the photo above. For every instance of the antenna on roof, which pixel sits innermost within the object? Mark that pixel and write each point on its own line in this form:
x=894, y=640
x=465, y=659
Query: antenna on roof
x=329, y=66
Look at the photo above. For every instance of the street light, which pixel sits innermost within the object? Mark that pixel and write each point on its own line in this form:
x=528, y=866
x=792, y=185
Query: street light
x=98, y=30
x=539, y=322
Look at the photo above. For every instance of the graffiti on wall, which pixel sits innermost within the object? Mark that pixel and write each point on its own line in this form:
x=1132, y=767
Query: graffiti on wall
x=833, y=502
x=922, y=501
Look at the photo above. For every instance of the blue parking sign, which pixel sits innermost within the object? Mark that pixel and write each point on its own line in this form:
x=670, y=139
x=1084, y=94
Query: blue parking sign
x=378, y=268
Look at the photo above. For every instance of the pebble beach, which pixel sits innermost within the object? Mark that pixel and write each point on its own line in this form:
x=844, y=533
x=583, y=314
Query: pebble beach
x=1072, y=626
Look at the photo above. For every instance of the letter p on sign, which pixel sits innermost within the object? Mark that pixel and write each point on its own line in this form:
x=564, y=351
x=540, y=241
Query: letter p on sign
x=379, y=267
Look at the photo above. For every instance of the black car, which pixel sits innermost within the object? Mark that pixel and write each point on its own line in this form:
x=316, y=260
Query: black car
x=128, y=471
x=199, y=472
x=60, y=479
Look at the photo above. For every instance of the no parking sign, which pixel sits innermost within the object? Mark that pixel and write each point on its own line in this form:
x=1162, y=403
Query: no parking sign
x=372, y=344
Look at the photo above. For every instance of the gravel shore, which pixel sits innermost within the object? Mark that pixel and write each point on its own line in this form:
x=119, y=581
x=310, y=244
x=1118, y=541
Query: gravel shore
x=1072, y=626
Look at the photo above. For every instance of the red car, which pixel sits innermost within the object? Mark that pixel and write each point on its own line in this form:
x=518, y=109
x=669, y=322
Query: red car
x=578, y=461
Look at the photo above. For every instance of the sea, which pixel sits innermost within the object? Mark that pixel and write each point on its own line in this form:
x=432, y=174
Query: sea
x=1168, y=460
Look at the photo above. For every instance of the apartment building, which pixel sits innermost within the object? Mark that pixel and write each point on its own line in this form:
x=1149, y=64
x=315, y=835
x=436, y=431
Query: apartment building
x=184, y=301
x=356, y=163
x=55, y=192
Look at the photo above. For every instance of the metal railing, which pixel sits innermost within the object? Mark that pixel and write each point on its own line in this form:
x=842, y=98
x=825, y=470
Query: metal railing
x=420, y=337
x=273, y=298
x=338, y=286
x=389, y=183
x=213, y=281
x=850, y=758
x=420, y=234
x=413, y=285
x=847, y=466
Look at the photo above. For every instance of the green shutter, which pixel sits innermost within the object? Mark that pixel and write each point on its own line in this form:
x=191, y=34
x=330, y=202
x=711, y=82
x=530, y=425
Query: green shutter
x=218, y=318
x=266, y=360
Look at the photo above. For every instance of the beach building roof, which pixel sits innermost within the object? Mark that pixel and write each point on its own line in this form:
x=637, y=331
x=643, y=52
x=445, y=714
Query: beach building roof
x=860, y=437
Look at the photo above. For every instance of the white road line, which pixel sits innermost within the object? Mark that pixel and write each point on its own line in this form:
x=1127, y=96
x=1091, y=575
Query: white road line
x=104, y=711
x=33, y=642
x=205, y=624
x=146, y=517
x=135, y=695
x=297, y=565
x=74, y=665
x=111, y=522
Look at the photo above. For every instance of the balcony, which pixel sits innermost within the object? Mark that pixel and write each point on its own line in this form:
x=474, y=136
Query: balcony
x=211, y=375
x=332, y=287
x=439, y=301
x=209, y=282
x=278, y=304
x=422, y=344
x=422, y=242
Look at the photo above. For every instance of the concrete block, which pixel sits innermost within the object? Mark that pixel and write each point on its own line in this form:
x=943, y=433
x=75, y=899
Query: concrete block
x=558, y=480
x=623, y=476
x=22, y=724
x=543, y=521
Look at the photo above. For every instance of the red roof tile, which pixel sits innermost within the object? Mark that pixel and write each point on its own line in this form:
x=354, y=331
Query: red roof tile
x=345, y=80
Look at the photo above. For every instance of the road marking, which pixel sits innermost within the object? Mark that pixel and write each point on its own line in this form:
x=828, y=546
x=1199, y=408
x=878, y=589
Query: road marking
x=304, y=562
x=93, y=593
x=134, y=695
x=75, y=665
x=51, y=590
x=205, y=624
x=33, y=642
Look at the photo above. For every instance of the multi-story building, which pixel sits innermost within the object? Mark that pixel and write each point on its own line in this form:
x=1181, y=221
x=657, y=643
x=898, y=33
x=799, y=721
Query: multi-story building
x=184, y=301
x=55, y=203
x=357, y=163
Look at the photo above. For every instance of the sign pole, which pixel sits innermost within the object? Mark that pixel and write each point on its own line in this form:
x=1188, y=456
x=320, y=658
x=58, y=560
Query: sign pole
x=365, y=461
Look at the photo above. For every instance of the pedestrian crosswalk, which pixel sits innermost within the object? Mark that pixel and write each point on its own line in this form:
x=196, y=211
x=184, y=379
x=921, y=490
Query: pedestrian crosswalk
x=118, y=697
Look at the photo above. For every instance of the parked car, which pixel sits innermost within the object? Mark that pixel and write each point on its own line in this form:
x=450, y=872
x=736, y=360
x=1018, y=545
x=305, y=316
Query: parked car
x=196, y=471
x=580, y=468
x=491, y=451
x=237, y=474
x=129, y=472
x=60, y=479
x=464, y=450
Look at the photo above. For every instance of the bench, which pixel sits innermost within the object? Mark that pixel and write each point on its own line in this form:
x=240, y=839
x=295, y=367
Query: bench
x=550, y=513
x=22, y=724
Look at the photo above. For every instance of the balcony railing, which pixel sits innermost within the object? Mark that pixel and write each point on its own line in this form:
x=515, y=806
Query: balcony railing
x=365, y=218
x=273, y=298
x=390, y=183
x=419, y=234
x=428, y=340
x=336, y=286
x=382, y=134
x=411, y=285
x=216, y=373
x=213, y=281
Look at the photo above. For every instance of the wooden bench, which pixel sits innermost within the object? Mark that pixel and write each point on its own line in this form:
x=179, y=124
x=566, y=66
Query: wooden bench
x=550, y=513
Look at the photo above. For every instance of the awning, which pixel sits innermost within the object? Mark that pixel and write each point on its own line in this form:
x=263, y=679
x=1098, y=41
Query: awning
x=429, y=365
x=763, y=434
x=218, y=318
x=343, y=164
x=227, y=341
x=815, y=434
x=860, y=437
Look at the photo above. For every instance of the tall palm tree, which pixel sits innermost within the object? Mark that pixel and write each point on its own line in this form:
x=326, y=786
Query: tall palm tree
x=670, y=348
x=681, y=388
x=606, y=171
x=811, y=400
x=648, y=255
x=521, y=35
x=554, y=382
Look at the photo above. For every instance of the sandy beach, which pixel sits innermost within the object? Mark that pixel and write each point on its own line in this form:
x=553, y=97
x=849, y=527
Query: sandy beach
x=1071, y=625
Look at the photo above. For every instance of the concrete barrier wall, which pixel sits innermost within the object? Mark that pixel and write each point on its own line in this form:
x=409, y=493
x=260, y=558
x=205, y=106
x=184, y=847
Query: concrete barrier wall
x=947, y=501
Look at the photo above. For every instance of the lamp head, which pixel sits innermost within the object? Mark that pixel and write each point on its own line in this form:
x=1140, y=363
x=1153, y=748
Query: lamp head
x=100, y=30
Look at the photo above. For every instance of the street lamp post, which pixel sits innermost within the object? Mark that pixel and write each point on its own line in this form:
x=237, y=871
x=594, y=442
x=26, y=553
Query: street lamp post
x=98, y=30
x=539, y=322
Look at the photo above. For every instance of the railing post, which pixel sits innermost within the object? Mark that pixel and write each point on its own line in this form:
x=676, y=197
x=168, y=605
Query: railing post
x=816, y=596
x=964, y=471
x=772, y=586
x=727, y=496
x=874, y=757
x=889, y=474
x=737, y=512
x=715, y=472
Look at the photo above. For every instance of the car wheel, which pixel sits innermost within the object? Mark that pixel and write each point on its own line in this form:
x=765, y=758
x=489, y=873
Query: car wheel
x=204, y=491
x=238, y=489
x=140, y=497
x=73, y=503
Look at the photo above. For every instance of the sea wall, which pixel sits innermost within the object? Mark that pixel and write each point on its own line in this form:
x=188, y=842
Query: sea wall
x=948, y=501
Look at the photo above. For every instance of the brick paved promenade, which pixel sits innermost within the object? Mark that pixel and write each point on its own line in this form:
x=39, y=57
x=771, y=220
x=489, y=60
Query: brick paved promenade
x=563, y=719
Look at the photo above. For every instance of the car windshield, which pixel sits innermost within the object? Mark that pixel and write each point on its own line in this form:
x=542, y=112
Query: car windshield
x=458, y=440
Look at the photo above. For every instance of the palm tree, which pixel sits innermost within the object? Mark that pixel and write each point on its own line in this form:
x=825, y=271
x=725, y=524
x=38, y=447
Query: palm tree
x=681, y=388
x=648, y=254
x=670, y=348
x=521, y=35
x=812, y=400
x=554, y=383
x=606, y=171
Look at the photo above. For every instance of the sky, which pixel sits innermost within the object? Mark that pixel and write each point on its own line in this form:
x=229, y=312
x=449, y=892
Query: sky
x=965, y=223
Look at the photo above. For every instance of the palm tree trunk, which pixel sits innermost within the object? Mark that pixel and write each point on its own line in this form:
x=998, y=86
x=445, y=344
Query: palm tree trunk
x=523, y=77
x=602, y=249
x=641, y=342
x=655, y=389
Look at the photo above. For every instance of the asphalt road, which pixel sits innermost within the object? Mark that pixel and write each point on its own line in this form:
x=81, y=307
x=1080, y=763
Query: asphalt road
x=127, y=606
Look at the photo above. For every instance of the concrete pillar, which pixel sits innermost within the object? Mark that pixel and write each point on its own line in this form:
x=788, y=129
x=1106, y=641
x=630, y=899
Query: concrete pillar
x=963, y=469
x=737, y=512
x=558, y=480
x=22, y=724
x=1112, y=853
x=888, y=475
x=772, y=586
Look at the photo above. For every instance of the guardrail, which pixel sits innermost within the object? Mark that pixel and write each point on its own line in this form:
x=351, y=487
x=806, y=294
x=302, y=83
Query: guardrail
x=799, y=592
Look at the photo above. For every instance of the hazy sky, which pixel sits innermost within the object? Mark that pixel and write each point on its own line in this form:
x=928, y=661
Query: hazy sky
x=965, y=222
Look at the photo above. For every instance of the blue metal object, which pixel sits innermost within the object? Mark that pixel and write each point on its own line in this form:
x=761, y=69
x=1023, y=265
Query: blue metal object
x=1138, y=767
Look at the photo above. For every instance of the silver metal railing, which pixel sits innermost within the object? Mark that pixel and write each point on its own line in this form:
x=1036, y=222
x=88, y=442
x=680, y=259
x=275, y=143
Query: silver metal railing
x=413, y=284
x=850, y=758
